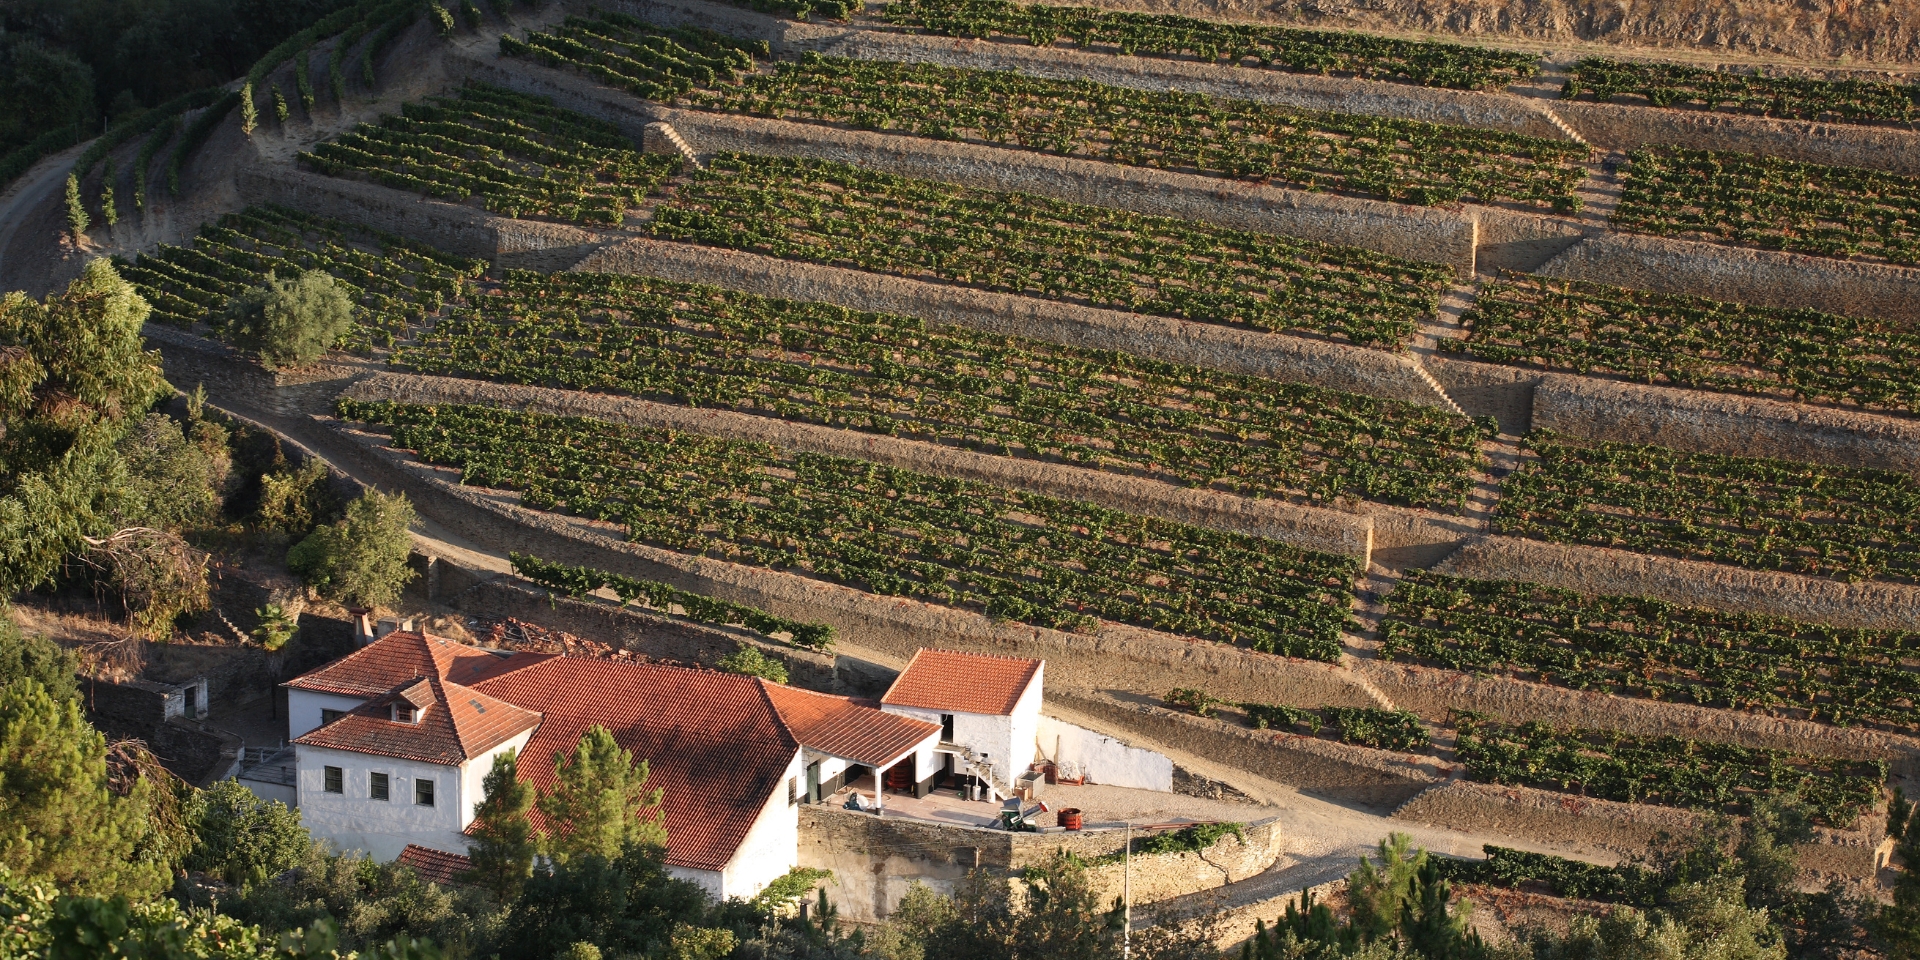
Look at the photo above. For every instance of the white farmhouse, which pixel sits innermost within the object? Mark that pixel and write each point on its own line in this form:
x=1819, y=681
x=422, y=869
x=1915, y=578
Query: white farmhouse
x=394, y=739
x=987, y=708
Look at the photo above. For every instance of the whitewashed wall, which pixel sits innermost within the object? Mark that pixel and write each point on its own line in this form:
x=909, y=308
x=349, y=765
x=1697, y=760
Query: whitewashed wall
x=982, y=733
x=1102, y=759
x=772, y=846
x=304, y=706
x=354, y=821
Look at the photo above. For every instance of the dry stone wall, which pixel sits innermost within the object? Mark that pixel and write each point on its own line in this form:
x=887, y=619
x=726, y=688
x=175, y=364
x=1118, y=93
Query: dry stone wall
x=1601, y=570
x=1724, y=423
x=1765, y=277
x=1415, y=233
x=1619, y=126
x=1329, y=531
x=1114, y=656
x=1291, y=359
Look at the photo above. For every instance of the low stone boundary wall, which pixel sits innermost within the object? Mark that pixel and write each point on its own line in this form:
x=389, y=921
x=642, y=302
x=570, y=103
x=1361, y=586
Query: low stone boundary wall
x=1602, y=570
x=1313, y=528
x=1359, y=775
x=1291, y=359
x=1620, y=126
x=1724, y=423
x=1741, y=275
x=1415, y=233
x=1115, y=656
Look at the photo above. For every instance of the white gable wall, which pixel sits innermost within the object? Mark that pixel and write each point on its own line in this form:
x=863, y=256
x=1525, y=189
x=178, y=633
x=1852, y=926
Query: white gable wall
x=772, y=844
x=1026, y=724
x=354, y=821
x=1006, y=741
x=304, y=706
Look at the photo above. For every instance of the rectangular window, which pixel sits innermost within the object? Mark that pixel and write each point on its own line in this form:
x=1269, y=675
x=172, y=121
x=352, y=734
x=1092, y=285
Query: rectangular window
x=423, y=792
x=329, y=716
x=377, y=789
x=336, y=783
x=946, y=727
x=793, y=791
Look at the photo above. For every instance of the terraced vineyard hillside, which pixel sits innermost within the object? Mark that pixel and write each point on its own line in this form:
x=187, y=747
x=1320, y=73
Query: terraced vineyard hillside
x=1518, y=446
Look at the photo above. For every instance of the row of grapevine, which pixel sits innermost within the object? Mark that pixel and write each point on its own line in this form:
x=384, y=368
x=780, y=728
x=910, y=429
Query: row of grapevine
x=1692, y=341
x=1640, y=647
x=834, y=213
x=520, y=154
x=1801, y=98
x=1424, y=62
x=1405, y=160
x=1397, y=730
x=1848, y=523
x=818, y=363
x=1572, y=879
x=1665, y=770
x=1053, y=562
x=399, y=282
x=580, y=581
x=1775, y=204
x=648, y=61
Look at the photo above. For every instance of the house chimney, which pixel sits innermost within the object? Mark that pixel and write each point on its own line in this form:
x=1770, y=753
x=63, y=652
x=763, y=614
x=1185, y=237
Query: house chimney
x=362, y=625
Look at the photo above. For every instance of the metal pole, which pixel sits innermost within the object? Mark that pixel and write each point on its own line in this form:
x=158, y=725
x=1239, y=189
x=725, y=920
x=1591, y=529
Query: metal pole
x=1126, y=899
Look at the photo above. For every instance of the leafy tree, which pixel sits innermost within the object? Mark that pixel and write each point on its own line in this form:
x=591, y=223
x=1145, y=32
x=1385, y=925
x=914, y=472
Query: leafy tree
x=249, y=114
x=625, y=905
x=158, y=575
x=916, y=919
x=293, y=500
x=42, y=89
x=240, y=836
x=174, y=483
x=504, y=844
x=291, y=321
x=37, y=658
x=1897, y=925
x=362, y=559
x=361, y=903
x=600, y=804
x=750, y=661
x=59, y=822
x=86, y=342
x=1063, y=919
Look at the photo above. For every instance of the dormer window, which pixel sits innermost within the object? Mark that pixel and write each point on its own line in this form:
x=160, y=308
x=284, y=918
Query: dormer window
x=405, y=713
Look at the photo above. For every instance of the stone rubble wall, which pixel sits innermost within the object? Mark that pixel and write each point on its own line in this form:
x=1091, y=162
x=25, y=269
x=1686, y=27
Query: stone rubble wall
x=1314, y=528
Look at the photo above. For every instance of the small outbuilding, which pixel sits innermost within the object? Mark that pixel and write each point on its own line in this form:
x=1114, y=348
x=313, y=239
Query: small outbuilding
x=987, y=707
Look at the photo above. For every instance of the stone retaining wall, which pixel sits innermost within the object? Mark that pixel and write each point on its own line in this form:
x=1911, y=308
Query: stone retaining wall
x=1431, y=692
x=1291, y=359
x=1414, y=233
x=1620, y=126
x=1115, y=656
x=875, y=860
x=1600, y=570
x=1624, y=829
x=1739, y=275
x=1313, y=528
x=1724, y=423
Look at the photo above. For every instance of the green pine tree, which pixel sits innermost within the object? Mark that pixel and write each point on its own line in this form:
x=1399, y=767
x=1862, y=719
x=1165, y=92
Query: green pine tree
x=59, y=822
x=600, y=802
x=503, y=842
x=77, y=219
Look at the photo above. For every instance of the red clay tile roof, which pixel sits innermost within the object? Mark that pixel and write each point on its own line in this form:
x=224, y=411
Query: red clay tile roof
x=715, y=747
x=434, y=866
x=455, y=724
x=845, y=728
x=962, y=682
x=398, y=657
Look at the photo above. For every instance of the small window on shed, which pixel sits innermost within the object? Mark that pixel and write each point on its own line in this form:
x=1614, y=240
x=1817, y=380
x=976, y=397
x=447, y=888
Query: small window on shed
x=946, y=727
x=377, y=789
x=793, y=791
x=336, y=783
x=329, y=716
x=423, y=792
x=403, y=713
